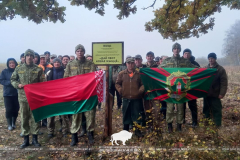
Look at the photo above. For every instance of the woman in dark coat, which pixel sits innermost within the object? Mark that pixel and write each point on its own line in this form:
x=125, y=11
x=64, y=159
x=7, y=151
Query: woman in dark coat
x=10, y=94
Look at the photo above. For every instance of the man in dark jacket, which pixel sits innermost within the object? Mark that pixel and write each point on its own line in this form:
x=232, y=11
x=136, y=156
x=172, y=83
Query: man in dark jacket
x=57, y=72
x=10, y=94
x=47, y=55
x=36, y=58
x=130, y=86
x=212, y=103
x=187, y=54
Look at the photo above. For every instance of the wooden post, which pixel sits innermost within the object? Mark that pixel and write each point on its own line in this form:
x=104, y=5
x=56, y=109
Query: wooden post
x=108, y=110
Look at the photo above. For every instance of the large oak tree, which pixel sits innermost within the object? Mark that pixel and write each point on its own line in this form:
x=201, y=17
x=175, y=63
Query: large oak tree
x=176, y=19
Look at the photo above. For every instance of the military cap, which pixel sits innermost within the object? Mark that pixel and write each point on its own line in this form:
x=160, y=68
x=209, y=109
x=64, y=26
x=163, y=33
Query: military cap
x=157, y=59
x=47, y=52
x=88, y=56
x=79, y=47
x=176, y=46
x=129, y=60
x=128, y=56
x=42, y=56
x=150, y=53
x=138, y=56
x=30, y=52
x=187, y=50
x=53, y=55
x=22, y=55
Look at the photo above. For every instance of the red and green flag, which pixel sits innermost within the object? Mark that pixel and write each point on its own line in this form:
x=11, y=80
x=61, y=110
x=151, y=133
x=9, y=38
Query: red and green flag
x=176, y=85
x=70, y=95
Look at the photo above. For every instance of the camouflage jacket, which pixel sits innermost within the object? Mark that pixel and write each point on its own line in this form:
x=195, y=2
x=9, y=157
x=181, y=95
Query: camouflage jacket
x=77, y=67
x=24, y=75
x=154, y=65
x=177, y=62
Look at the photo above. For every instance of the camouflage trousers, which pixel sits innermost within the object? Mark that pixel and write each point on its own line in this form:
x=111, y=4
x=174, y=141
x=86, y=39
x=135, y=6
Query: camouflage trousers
x=51, y=124
x=170, y=113
x=153, y=115
x=26, y=115
x=77, y=121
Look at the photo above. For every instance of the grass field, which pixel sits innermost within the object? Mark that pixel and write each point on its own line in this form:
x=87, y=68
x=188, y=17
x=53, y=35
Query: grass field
x=204, y=142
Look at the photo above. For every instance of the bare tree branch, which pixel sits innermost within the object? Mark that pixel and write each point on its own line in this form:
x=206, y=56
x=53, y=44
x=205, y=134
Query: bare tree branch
x=150, y=5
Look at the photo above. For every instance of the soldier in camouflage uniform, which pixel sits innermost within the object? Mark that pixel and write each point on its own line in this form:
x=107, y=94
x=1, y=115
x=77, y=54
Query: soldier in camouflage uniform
x=152, y=107
x=27, y=73
x=175, y=62
x=78, y=66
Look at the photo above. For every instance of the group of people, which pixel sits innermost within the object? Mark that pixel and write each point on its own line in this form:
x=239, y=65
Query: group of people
x=124, y=81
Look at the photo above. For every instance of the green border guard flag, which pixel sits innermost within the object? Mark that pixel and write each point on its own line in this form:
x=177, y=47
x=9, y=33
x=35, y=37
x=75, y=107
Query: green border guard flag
x=176, y=85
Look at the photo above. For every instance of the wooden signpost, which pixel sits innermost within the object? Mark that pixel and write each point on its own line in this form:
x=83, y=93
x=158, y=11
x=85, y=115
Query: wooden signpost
x=108, y=54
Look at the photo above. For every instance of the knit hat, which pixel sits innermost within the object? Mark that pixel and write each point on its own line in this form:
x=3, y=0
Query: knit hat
x=176, y=46
x=150, y=53
x=22, y=55
x=130, y=60
x=212, y=55
x=157, y=59
x=47, y=52
x=30, y=52
x=57, y=60
x=79, y=47
x=37, y=55
x=187, y=50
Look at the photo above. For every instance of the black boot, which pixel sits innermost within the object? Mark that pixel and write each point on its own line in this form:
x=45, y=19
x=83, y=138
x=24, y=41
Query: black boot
x=74, y=139
x=170, y=128
x=91, y=137
x=83, y=131
x=99, y=106
x=179, y=127
x=126, y=127
x=25, y=142
x=44, y=123
x=119, y=107
x=60, y=120
x=14, y=122
x=9, y=121
x=194, y=124
x=35, y=141
x=130, y=126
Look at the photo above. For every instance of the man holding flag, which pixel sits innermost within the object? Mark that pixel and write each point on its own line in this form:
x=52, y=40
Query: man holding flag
x=175, y=62
x=25, y=74
x=212, y=103
x=78, y=66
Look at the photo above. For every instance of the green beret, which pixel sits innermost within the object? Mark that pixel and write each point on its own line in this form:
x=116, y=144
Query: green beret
x=176, y=46
x=29, y=52
x=79, y=47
